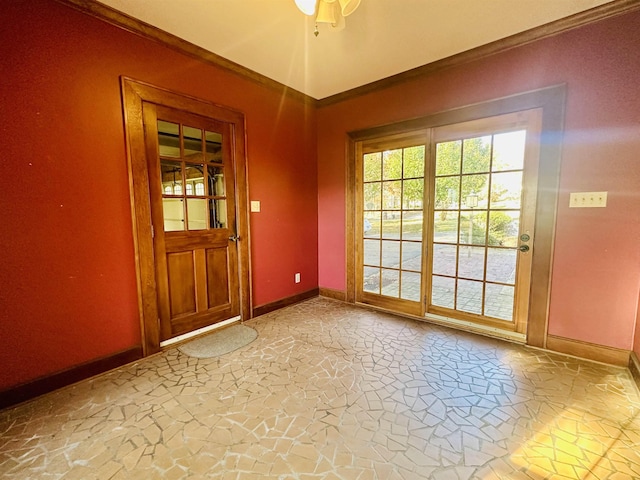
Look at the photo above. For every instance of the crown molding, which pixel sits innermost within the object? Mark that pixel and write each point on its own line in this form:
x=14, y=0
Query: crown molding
x=596, y=14
x=145, y=30
x=138, y=27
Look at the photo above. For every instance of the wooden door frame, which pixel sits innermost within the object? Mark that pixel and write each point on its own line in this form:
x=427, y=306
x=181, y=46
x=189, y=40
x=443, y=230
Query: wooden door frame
x=552, y=102
x=134, y=93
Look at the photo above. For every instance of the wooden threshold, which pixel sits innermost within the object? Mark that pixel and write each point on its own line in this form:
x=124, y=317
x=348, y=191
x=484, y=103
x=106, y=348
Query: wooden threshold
x=49, y=383
x=284, y=302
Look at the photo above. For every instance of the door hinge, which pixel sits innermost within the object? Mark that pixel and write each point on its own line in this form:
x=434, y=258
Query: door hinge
x=153, y=231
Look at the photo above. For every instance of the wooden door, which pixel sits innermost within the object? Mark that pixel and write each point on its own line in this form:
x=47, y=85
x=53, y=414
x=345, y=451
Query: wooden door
x=192, y=200
x=482, y=219
x=390, y=233
x=446, y=220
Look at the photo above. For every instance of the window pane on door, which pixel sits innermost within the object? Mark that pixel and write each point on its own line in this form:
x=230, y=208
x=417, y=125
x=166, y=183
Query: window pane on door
x=173, y=212
x=448, y=158
x=168, y=139
x=213, y=147
x=371, y=279
x=192, y=144
x=498, y=301
x=476, y=154
x=171, y=177
x=197, y=213
x=445, y=259
x=443, y=291
x=469, y=296
x=410, y=286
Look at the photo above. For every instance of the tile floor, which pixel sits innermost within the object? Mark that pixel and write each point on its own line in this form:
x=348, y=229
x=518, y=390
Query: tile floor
x=332, y=391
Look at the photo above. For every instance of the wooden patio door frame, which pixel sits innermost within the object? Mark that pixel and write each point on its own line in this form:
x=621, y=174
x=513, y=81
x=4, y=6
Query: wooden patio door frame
x=134, y=94
x=552, y=101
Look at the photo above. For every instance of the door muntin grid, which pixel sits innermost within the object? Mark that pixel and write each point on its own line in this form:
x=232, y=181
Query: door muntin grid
x=393, y=222
x=476, y=216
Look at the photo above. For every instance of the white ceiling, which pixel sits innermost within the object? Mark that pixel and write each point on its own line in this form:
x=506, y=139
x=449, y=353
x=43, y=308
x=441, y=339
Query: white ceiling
x=381, y=38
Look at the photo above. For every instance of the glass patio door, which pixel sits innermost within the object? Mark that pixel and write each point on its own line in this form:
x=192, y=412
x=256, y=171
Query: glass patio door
x=391, y=245
x=484, y=177
x=446, y=220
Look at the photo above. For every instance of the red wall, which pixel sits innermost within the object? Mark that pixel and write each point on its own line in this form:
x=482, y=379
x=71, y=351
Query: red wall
x=67, y=283
x=596, y=271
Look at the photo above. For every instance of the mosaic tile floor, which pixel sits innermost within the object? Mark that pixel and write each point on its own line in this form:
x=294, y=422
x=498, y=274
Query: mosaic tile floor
x=331, y=391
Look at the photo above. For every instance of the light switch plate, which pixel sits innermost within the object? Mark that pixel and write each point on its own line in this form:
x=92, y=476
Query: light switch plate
x=255, y=205
x=587, y=199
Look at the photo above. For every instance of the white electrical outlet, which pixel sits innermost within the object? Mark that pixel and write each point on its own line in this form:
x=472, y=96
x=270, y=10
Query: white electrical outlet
x=297, y=278
x=587, y=199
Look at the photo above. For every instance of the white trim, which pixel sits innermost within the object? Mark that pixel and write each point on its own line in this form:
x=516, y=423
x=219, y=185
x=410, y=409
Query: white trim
x=477, y=328
x=200, y=331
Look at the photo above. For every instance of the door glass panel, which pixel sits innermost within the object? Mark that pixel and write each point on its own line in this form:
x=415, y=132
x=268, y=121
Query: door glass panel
x=503, y=228
x=372, y=224
x=372, y=196
x=444, y=259
x=443, y=291
x=476, y=154
x=498, y=301
x=411, y=283
x=192, y=144
x=508, y=151
x=372, y=167
x=213, y=147
x=216, y=180
x=447, y=193
x=193, y=175
x=448, y=158
x=197, y=213
x=501, y=265
x=469, y=296
x=173, y=212
x=391, y=225
x=445, y=227
x=391, y=195
x=371, y=279
x=218, y=213
x=390, y=254
x=412, y=256
x=412, y=194
x=412, y=224
x=392, y=164
x=390, y=282
x=506, y=190
x=168, y=139
x=473, y=228
x=171, y=174
x=392, y=203
x=477, y=201
x=471, y=263
x=372, y=252
x=413, y=164
x=474, y=191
